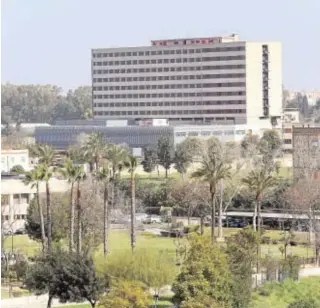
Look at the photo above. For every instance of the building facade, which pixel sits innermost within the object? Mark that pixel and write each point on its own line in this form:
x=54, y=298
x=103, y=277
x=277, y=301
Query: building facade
x=11, y=158
x=217, y=80
x=306, y=152
x=15, y=199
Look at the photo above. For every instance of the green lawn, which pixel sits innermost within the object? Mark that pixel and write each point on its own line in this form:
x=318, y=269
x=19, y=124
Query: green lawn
x=120, y=240
x=277, y=295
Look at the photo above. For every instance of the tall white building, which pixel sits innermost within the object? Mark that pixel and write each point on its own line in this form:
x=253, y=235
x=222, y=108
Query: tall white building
x=216, y=80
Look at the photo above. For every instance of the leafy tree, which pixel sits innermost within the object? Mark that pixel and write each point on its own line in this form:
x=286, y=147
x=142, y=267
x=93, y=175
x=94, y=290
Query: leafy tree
x=242, y=252
x=165, y=153
x=17, y=169
x=69, y=277
x=43, y=103
x=131, y=163
x=205, y=273
x=103, y=175
x=182, y=160
x=59, y=222
x=259, y=180
x=126, y=294
x=150, y=160
x=213, y=169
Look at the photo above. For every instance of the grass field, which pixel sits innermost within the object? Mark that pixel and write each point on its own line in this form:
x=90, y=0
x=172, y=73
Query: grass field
x=120, y=240
x=281, y=295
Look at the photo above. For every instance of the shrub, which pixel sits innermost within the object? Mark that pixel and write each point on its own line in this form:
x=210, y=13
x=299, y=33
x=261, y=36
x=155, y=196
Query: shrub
x=275, y=242
x=303, y=303
x=293, y=243
x=265, y=240
x=191, y=228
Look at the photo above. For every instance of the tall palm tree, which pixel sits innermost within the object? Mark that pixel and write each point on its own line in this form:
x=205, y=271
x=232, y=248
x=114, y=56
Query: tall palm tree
x=103, y=175
x=131, y=163
x=213, y=169
x=259, y=181
x=34, y=179
x=44, y=153
x=70, y=172
x=46, y=174
x=94, y=150
x=116, y=156
x=80, y=176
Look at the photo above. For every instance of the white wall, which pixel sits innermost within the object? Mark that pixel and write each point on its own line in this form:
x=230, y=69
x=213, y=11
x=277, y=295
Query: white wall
x=10, y=158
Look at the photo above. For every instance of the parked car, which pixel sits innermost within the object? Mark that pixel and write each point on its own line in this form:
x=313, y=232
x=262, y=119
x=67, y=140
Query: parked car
x=141, y=217
x=152, y=219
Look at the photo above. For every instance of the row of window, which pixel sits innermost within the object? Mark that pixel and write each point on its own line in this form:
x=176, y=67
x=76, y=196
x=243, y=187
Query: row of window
x=169, y=112
x=169, y=69
x=173, y=77
x=16, y=217
x=162, y=95
x=211, y=133
x=172, y=86
x=165, y=52
x=166, y=61
x=168, y=104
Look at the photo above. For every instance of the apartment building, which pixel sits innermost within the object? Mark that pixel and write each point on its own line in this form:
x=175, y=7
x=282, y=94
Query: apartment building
x=215, y=80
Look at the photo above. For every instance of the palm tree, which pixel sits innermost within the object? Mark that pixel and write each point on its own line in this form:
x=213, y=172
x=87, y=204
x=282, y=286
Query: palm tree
x=103, y=176
x=212, y=170
x=131, y=163
x=94, y=150
x=116, y=157
x=45, y=173
x=34, y=178
x=70, y=173
x=44, y=152
x=259, y=181
x=79, y=176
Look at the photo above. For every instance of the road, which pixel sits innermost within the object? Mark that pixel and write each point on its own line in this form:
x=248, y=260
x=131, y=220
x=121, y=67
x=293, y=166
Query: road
x=41, y=301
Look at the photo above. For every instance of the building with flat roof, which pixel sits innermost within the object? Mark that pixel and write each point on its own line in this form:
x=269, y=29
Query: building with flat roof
x=16, y=196
x=213, y=80
x=11, y=158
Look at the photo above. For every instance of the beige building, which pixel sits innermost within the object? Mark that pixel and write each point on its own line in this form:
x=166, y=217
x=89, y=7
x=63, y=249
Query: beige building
x=15, y=199
x=215, y=80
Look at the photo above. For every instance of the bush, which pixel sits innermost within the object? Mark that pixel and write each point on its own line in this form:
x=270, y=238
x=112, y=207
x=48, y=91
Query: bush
x=265, y=240
x=191, y=228
x=293, y=243
x=303, y=303
x=20, y=268
x=275, y=242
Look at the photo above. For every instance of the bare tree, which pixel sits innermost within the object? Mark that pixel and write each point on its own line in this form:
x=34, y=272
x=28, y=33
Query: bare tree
x=304, y=198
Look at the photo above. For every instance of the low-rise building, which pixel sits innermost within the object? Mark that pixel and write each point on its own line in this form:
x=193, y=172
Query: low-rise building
x=16, y=196
x=11, y=158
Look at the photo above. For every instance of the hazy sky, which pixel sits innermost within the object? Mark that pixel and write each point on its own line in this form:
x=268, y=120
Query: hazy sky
x=49, y=41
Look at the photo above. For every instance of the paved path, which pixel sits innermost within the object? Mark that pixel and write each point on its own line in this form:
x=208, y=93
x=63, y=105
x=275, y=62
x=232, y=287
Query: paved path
x=31, y=302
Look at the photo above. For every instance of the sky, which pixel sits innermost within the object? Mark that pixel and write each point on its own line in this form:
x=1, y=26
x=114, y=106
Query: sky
x=49, y=41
